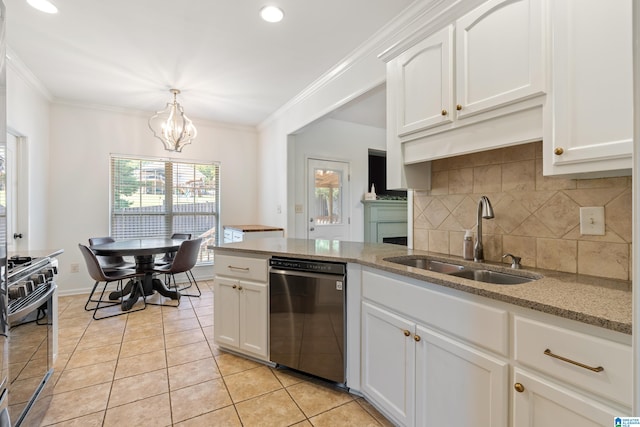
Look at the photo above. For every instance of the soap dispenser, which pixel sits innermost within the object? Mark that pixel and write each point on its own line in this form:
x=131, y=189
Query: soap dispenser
x=467, y=245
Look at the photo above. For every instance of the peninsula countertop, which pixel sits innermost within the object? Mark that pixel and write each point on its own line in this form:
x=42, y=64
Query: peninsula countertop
x=593, y=300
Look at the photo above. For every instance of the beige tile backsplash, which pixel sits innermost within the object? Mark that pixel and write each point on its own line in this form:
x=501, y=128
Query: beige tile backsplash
x=536, y=217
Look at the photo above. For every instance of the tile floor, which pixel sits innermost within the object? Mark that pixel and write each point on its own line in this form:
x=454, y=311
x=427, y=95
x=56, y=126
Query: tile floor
x=160, y=367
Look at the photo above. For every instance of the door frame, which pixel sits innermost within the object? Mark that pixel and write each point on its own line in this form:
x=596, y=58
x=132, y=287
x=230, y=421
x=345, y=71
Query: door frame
x=346, y=206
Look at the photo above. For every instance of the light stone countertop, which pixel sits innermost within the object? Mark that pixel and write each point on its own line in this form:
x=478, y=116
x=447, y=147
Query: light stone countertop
x=593, y=300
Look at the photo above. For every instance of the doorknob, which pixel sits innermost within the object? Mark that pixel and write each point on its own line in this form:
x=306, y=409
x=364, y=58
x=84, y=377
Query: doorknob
x=17, y=235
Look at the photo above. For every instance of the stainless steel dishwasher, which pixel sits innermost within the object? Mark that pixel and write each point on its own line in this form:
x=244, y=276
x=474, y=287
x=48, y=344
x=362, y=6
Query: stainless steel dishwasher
x=307, y=316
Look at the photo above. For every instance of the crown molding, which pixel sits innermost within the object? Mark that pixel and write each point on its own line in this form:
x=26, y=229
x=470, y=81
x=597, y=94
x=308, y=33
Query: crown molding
x=15, y=63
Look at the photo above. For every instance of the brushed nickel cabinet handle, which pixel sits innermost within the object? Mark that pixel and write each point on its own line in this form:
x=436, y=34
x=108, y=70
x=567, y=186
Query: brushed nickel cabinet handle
x=231, y=267
x=519, y=387
x=573, y=362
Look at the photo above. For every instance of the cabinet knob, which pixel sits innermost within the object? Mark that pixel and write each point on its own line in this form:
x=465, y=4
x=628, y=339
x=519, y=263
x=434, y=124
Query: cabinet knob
x=416, y=338
x=519, y=387
x=558, y=151
x=406, y=333
x=458, y=107
x=234, y=286
x=239, y=288
x=444, y=112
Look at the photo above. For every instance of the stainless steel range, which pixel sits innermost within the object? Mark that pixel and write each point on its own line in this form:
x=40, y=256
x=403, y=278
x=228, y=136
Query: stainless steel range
x=32, y=322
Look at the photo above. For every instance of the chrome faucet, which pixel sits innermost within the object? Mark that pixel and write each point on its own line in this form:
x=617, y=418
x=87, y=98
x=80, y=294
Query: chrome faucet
x=485, y=210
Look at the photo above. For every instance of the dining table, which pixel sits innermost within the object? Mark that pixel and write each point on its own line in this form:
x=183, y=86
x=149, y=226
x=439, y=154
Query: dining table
x=143, y=251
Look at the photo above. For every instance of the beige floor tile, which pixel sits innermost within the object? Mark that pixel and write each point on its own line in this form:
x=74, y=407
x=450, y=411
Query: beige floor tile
x=141, y=346
x=192, y=373
x=153, y=412
x=175, y=315
x=130, y=389
x=288, y=378
x=206, y=320
x=188, y=353
x=173, y=326
x=230, y=364
x=72, y=379
x=91, y=420
x=304, y=423
x=227, y=417
x=315, y=398
x=199, y=399
x=73, y=404
x=140, y=364
x=93, y=356
x=374, y=412
x=349, y=415
x=184, y=337
x=251, y=383
x=273, y=409
x=141, y=331
x=99, y=339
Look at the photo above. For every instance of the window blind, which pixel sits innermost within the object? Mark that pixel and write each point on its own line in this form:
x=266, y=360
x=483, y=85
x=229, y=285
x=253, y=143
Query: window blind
x=157, y=197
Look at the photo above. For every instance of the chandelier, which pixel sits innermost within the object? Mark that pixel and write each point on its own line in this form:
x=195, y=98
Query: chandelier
x=172, y=127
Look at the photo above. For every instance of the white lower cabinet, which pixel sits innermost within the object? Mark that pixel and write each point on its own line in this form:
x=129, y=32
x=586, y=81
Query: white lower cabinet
x=420, y=377
x=538, y=402
x=241, y=305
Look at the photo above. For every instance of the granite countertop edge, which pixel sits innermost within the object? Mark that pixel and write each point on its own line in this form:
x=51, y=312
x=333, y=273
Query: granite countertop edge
x=602, y=302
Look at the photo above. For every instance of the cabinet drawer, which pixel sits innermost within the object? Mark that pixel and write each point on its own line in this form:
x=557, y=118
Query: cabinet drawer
x=241, y=267
x=476, y=323
x=533, y=338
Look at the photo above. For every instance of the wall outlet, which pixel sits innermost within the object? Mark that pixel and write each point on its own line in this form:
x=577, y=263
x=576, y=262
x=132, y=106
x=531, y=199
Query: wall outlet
x=75, y=268
x=592, y=221
x=299, y=209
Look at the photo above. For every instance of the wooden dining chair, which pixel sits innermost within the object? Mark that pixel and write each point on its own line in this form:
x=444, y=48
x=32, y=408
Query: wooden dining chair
x=185, y=259
x=98, y=274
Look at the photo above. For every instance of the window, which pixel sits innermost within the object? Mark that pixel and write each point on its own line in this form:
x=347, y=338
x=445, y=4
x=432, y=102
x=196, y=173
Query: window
x=156, y=198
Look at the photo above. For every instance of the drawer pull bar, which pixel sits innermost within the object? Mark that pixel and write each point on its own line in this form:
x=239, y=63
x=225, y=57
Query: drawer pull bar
x=231, y=267
x=573, y=362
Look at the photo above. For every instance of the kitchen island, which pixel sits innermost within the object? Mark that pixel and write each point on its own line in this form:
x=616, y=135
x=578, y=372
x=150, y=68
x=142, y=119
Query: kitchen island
x=423, y=345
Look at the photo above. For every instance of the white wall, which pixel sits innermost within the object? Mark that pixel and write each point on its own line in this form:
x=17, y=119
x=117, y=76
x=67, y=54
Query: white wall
x=330, y=139
x=28, y=116
x=82, y=139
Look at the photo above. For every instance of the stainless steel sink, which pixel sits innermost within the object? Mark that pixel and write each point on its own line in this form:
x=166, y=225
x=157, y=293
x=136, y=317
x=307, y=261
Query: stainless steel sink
x=427, y=264
x=494, y=277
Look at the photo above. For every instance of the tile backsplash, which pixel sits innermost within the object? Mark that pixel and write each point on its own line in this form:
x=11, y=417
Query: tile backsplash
x=536, y=217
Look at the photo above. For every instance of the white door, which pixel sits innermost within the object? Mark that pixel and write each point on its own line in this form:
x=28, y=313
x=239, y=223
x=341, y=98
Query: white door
x=13, y=244
x=327, y=196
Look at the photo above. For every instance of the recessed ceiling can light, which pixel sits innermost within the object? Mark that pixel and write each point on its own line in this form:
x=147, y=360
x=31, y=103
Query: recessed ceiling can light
x=43, y=6
x=271, y=14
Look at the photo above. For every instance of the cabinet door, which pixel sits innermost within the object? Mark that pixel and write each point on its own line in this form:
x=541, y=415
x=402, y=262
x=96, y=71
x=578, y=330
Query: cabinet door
x=499, y=55
x=459, y=384
x=226, y=312
x=388, y=362
x=421, y=81
x=254, y=318
x=545, y=403
x=589, y=114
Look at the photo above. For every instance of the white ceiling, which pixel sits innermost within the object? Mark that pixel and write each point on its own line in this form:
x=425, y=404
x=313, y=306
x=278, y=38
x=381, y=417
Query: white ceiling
x=229, y=64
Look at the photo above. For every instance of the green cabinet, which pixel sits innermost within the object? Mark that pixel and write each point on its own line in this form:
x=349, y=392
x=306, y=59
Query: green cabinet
x=384, y=219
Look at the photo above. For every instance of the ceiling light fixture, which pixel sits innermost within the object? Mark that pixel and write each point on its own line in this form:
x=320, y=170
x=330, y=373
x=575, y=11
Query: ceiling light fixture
x=172, y=127
x=271, y=14
x=43, y=6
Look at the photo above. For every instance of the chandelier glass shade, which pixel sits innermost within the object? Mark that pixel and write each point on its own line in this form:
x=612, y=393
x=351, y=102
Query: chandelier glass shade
x=172, y=127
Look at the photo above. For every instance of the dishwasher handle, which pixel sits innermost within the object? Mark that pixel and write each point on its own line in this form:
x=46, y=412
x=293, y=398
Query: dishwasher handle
x=309, y=274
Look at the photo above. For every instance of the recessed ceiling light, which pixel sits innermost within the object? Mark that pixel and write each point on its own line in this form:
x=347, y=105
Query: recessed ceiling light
x=271, y=14
x=43, y=6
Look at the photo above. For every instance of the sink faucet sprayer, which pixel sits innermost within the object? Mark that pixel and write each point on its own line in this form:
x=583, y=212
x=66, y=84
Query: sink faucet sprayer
x=485, y=210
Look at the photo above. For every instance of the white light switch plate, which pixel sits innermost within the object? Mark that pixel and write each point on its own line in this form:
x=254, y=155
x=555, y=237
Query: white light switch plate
x=592, y=221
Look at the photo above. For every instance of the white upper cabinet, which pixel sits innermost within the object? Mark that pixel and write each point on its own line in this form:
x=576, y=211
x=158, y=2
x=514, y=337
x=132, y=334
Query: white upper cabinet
x=422, y=77
x=588, y=118
x=499, y=55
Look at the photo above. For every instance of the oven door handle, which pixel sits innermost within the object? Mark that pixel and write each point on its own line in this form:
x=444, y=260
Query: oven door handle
x=23, y=311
